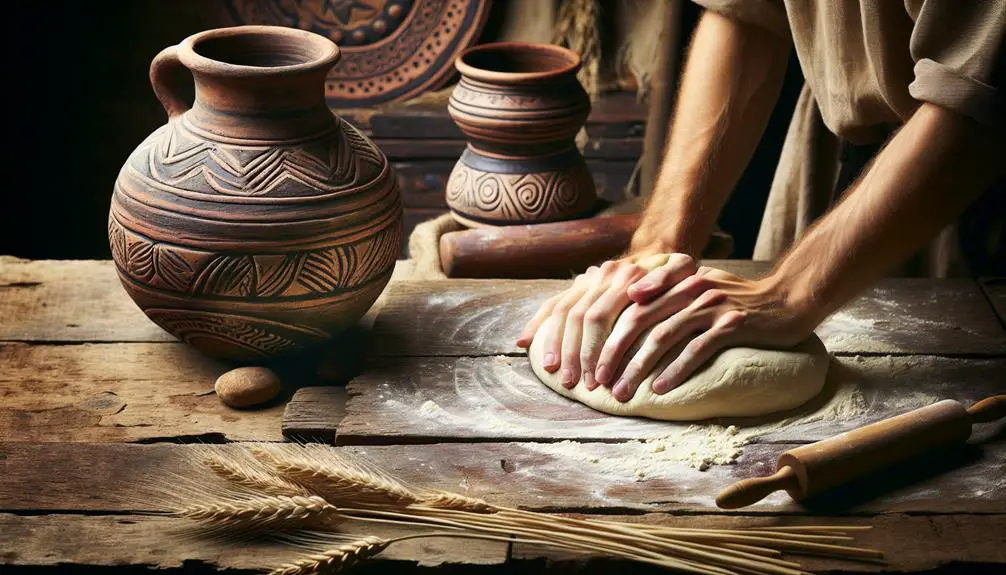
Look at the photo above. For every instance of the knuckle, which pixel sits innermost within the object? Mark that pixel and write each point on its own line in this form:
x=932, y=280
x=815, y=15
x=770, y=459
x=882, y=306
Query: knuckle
x=609, y=266
x=594, y=315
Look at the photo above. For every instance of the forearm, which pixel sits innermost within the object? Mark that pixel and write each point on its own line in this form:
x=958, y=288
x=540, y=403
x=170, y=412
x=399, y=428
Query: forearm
x=730, y=84
x=929, y=172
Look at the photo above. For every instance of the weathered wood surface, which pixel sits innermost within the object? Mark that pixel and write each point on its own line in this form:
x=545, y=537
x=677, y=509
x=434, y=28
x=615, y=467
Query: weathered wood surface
x=499, y=398
x=77, y=301
x=911, y=543
x=59, y=540
x=995, y=291
x=120, y=392
x=560, y=477
x=483, y=317
x=314, y=413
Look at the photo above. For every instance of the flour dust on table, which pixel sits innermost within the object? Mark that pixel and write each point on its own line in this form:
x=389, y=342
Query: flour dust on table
x=737, y=382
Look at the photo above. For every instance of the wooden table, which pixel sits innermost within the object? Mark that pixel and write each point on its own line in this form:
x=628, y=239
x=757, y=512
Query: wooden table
x=92, y=394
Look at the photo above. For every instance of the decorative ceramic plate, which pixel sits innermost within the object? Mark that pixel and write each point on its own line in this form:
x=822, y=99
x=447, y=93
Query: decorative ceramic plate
x=392, y=50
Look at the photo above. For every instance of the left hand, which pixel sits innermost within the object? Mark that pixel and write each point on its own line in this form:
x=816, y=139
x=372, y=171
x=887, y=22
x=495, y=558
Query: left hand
x=718, y=308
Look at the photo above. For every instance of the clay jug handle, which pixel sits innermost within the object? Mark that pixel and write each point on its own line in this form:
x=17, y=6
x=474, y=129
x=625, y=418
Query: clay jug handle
x=168, y=77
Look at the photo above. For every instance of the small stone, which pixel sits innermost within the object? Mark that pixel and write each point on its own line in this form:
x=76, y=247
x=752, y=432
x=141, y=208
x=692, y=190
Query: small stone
x=247, y=386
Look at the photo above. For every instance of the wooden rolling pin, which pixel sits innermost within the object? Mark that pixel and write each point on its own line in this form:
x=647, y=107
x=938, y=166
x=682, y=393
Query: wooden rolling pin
x=817, y=467
x=554, y=250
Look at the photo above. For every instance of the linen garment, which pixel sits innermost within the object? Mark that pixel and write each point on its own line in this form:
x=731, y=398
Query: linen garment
x=868, y=64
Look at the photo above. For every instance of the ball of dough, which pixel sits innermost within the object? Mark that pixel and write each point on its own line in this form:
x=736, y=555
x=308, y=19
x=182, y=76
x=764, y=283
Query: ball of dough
x=737, y=382
x=247, y=386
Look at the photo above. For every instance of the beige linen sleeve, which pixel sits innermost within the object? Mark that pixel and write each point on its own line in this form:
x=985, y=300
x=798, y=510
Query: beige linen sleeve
x=959, y=57
x=767, y=14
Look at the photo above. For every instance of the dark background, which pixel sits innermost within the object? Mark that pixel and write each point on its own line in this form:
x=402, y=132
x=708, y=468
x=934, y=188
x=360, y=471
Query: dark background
x=79, y=101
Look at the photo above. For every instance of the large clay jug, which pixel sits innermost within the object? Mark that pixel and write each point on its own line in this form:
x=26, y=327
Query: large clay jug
x=255, y=223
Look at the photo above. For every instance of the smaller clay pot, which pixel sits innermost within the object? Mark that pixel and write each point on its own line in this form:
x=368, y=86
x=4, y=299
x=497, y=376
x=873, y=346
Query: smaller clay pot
x=521, y=106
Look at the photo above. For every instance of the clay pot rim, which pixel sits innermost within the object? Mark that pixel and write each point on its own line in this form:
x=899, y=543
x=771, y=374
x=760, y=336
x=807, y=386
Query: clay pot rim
x=485, y=75
x=325, y=51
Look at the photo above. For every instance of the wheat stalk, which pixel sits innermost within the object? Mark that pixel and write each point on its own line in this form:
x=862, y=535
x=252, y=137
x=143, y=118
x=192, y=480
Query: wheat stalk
x=335, y=559
x=253, y=479
x=260, y=510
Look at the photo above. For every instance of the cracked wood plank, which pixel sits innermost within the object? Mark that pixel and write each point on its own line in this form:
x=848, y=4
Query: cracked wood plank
x=560, y=477
x=58, y=541
x=910, y=543
x=424, y=400
x=995, y=291
x=483, y=317
x=78, y=301
x=120, y=392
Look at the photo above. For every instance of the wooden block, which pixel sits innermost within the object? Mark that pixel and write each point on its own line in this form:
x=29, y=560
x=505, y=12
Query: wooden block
x=62, y=542
x=409, y=400
x=482, y=317
x=314, y=413
x=910, y=543
x=565, y=477
x=120, y=392
x=995, y=291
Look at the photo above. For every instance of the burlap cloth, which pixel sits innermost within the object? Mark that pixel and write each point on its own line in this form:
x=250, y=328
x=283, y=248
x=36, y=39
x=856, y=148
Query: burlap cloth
x=424, y=243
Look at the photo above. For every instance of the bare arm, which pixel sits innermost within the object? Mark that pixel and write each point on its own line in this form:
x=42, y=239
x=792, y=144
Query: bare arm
x=731, y=82
x=930, y=171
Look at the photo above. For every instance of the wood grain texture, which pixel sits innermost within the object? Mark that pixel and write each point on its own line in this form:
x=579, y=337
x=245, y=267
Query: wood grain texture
x=500, y=398
x=995, y=291
x=559, y=477
x=58, y=541
x=898, y=316
x=78, y=300
x=73, y=301
x=910, y=543
x=314, y=413
x=120, y=392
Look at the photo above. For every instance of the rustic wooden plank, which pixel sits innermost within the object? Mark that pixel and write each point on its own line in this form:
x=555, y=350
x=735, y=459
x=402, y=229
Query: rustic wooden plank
x=499, y=398
x=483, y=317
x=69, y=301
x=120, y=392
x=995, y=291
x=910, y=543
x=73, y=301
x=560, y=477
x=61, y=541
x=314, y=413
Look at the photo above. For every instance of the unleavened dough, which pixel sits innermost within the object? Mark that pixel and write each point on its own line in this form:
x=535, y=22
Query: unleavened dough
x=737, y=382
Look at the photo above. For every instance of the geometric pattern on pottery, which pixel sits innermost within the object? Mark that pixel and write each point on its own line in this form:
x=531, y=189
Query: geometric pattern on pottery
x=235, y=336
x=391, y=49
x=178, y=156
x=534, y=197
x=297, y=275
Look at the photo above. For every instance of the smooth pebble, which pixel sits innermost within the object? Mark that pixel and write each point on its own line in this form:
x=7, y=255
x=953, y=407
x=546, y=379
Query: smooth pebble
x=247, y=386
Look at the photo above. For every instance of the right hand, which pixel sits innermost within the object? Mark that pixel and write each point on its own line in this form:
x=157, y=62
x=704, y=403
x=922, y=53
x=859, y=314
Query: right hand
x=584, y=314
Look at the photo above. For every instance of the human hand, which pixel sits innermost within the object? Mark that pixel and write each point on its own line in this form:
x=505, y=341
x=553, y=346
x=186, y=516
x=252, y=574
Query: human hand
x=585, y=313
x=719, y=309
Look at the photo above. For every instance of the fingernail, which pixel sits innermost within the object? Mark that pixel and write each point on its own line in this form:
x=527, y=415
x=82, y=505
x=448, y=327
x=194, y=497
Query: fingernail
x=602, y=374
x=620, y=390
x=549, y=359
x=645, y=286
x=566, y=377
x=588, y=380
x=659, y=386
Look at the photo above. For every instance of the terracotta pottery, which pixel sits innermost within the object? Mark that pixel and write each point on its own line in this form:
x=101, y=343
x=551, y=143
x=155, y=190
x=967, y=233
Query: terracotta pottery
x=255, y=223
x=521, y=106
x=392, y=50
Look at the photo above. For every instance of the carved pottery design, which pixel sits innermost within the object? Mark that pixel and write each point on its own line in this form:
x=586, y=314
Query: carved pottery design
x=519, y=198
x=520, y=106
x=392, y=50
x=261, y=234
